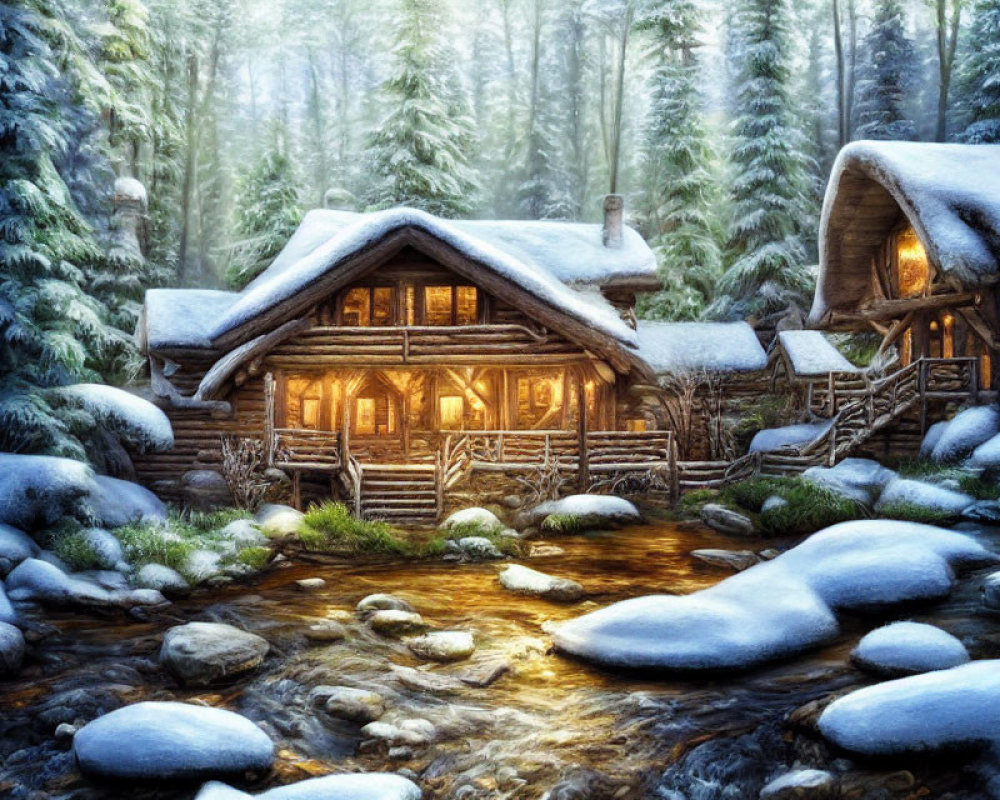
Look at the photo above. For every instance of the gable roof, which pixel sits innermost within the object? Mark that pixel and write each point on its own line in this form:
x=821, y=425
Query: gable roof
x=949, y=193
x=811, y=354
x=561, y=264
x=676, y=347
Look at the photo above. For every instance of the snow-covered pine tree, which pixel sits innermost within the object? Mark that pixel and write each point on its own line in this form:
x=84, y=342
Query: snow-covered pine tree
x=419, y=154
x=685, y=229
x=766, y=269
x=887, y=75
x=51, y=332
x=980, y=74
x=268, y=209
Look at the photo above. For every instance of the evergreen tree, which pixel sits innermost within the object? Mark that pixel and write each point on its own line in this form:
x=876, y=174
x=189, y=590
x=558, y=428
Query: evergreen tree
x=766, y=270
x=268, y=210
x=684, y=227
x=419, y=154
x=51, y=332
x=980, y=75
x=887, y=76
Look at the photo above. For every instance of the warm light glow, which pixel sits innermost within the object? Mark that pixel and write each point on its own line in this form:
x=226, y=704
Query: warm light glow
x=466, y=305
x=913, y=272
x=437, y=305
x=948, y=337
x=365, y=423
x=357, y=308
x=452, y=412
x=636, y=425
x=985, y=371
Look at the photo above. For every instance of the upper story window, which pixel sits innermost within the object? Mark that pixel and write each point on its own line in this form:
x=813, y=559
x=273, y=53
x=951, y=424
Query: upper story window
x=418, y=304
x=913, y=272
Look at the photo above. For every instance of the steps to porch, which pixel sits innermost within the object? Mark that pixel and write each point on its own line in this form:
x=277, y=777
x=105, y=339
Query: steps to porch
x=397, y=493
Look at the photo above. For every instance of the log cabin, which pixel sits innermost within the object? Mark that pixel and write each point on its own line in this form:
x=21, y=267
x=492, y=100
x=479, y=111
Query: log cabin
x=910, y=248
x=393, y=359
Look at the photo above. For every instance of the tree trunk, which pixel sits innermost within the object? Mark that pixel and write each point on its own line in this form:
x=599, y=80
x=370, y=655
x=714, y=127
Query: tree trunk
x=616, y=126
x=838, y=49
x=187, y=186
x=947, y=41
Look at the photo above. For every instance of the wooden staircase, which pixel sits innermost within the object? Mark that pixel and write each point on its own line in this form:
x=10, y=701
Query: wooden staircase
x=401, y=494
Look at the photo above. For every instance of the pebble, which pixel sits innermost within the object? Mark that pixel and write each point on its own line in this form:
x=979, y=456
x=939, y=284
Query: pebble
x=396, y=623
x=326, y=631
x=310, y=584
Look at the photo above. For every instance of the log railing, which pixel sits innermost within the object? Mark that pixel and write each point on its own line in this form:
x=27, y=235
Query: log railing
x=607, y=451
x=457, y=460
x=300, y=449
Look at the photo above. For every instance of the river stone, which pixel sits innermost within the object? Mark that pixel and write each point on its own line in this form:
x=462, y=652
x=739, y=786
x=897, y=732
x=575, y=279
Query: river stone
x=737, y=560
x=524, y=580
x=346, y=702
x=310, y=584
x=801, y=784
x=408, y=732
x=201, y=653
x=163, y=579
x=327, y=630
x=278, y=520
x=114, y=503
x=368, y=786
x=725, y=520
x=990, y=591
x=15, y=547
x=478, y=548
x=171, y=741
x=545, y=550
x=443, y=646
x=925, y=495
x=205, y=490
x=396, y=623
x=382, y=602
x=7, y=612
x=473, y=517
x=39, y=581
x=908, y=648
x=11, y=649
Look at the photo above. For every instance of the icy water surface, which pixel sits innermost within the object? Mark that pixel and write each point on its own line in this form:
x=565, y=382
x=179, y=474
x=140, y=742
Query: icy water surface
x=548, y=726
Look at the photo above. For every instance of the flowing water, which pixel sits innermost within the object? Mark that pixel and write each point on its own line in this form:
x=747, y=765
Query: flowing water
x=548, y=726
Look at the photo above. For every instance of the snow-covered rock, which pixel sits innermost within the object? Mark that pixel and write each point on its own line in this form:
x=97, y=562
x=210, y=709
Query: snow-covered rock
x=987, y=454
x=477, y=517
x=202, y=653
x=171, y=741
x=7, y=612
x=524, y=580
x=925, y=495
x=39, y=581
x=115, y=503
x=779, y=607
x=107, y=549
x=162, y=579
x=801, y=784
x=858, y=479
x=908, y=648
x=136, y=421
x=368, y=786
x=788, y=436
x=944, y=708
x=965, y=432
x=243, y=533
x=11, y=649
x=990, y=591
x=278, y=520
x=931, y=438
x=598, y=507
x=474, y=548
x=200, y=565
x=38, y=491
x=15, y=547
x=725, y=520
x=443, y=645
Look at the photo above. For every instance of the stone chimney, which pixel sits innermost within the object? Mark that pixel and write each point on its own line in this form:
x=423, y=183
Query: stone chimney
x=129, y=211
x=614, y=208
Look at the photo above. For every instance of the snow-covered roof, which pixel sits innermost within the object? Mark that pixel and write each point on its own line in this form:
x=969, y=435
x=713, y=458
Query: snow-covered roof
x=700, y=346
x=562, y=264
x=184, y=317
x=810, y=354
x=949, y=193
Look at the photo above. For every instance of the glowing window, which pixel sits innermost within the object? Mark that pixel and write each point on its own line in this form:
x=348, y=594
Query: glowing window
x=365, y=424
x=636, y=425
x=411, y=305
x=437, y=305
x=913, y=270
x=357, y=307
x=382, y=306
x=452, y=412
x=466, y=305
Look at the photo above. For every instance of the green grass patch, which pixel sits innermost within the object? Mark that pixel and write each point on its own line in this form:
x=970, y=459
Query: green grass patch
x=925, y=468
x=330, y=527
x=752, y=493
x=255, y=557
x=74, y=548
x=154, y=544
x=977, y=487
x=691, y=502
x=808, y=507
x=911, y=512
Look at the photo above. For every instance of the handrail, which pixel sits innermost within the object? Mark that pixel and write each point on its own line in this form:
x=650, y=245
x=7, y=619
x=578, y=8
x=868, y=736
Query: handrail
x=507, y=327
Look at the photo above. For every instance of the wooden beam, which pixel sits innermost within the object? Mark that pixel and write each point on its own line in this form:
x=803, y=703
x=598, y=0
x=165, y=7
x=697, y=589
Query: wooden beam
x=895, y=331
x=583, y=466
x=893, y=309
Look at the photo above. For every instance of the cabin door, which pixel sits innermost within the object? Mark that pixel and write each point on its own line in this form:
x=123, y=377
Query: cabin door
x=376, y=413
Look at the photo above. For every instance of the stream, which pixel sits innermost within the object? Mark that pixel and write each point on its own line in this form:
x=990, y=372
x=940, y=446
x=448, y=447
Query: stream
x=514, y=721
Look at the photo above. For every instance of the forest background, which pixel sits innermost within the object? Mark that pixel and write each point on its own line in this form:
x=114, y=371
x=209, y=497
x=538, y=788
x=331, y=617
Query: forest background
x=719, y=122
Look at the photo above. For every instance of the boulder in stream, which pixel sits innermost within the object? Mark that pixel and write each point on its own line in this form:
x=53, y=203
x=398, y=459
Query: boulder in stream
x=202, y=653
x=908, y=648
x=801, y=784
x=161, y=578
x=396, y=623
x=990, y=591
x=369, y=786
x=524, y=580
x=381, y=602
x=15, y=547
x=725, y=520
x=443, y=646
x=171, y=741
x=11, y=649
x=737, y=560
x=278, y=520
x=347, y=702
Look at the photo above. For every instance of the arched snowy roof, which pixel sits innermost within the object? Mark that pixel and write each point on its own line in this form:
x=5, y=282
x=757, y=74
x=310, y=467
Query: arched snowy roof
x=562, y=264
x=949, y=193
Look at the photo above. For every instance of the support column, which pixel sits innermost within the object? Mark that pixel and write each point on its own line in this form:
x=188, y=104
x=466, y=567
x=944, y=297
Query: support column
x=583, y=471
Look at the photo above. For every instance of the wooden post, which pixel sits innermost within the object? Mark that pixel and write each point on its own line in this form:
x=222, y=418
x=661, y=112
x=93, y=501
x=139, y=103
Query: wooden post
x=922, y=388
x=345, y=426
x=297, y=489
x=438, y=485
x=583, y=469
x=269, y=437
